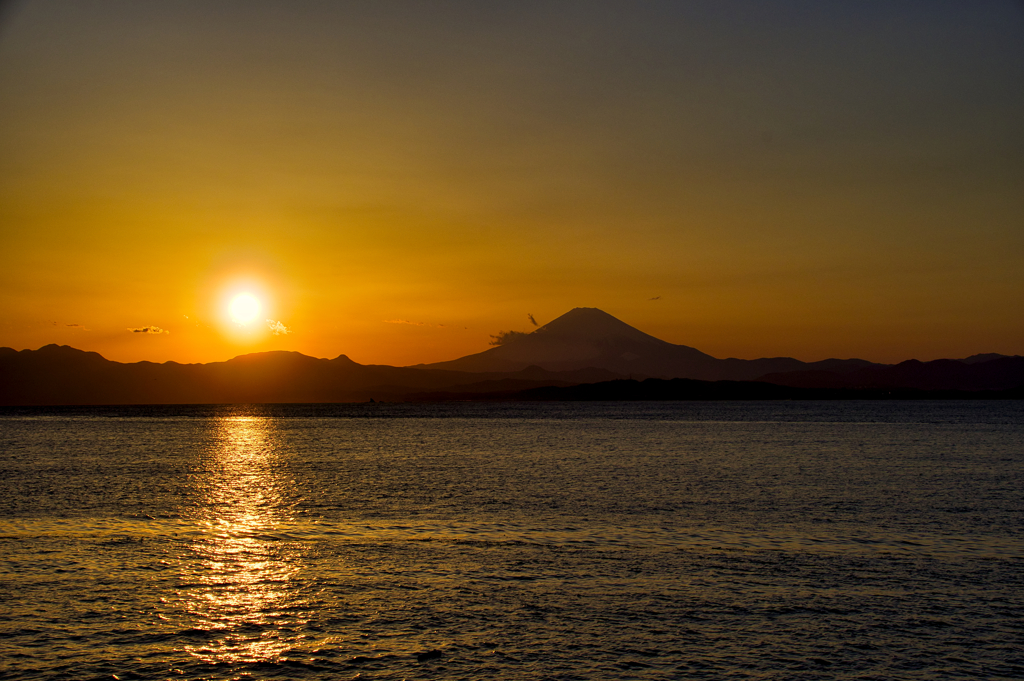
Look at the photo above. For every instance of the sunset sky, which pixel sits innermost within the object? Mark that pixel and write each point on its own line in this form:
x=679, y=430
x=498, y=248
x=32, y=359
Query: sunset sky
x=397, y=181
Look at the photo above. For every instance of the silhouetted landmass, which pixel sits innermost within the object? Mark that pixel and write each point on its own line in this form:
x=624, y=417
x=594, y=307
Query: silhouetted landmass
x=585, y=354
x=58, y=374
x=588, y=337
x=998, y=373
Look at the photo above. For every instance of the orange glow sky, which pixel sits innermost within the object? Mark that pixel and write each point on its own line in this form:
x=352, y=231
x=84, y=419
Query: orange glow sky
x=397, y=181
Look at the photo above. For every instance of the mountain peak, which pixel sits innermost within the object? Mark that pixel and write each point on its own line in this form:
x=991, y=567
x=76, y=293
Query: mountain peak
x=584, y=337
x=593, y=324
x=273, y=356
x=66, y=352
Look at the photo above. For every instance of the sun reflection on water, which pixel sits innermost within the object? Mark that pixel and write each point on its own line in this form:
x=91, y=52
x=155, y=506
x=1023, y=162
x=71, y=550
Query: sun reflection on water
x=240, y=581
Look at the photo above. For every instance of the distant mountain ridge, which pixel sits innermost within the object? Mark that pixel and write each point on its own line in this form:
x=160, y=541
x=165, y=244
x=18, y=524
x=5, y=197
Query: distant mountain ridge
x=59, y=374
x=1000, y=373
x=583, y=346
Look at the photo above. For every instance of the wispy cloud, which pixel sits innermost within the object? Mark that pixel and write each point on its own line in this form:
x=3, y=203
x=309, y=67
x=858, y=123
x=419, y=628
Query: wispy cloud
x=278, y=328
x=505, y=337
x=655, y=298
x=406, y=321
x=148, y=329
x=532, y=320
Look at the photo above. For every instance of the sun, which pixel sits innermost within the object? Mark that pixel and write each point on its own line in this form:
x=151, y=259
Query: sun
x=244, y=308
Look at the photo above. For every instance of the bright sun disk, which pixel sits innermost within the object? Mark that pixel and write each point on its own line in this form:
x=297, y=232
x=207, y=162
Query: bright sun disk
x=244, y=308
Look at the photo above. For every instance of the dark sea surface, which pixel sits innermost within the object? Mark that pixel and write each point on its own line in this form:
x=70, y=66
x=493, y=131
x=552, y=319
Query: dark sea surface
x=760, y=540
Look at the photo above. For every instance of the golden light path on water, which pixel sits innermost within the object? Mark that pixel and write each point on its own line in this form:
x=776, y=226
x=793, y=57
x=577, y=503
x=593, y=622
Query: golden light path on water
x=240, y=587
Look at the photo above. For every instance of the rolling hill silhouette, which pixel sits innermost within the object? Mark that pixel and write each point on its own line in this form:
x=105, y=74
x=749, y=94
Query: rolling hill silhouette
x=585, y=346
x=58, y=374
x=998, y=373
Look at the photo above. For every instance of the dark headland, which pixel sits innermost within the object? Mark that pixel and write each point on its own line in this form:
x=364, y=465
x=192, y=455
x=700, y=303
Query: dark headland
x=586, y=354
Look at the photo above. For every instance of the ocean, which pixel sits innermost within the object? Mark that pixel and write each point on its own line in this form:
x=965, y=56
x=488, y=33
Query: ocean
x=675, y=540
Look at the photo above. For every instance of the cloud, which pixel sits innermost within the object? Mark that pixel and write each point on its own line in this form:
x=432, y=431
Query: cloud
x=406, y=321
x=504, y=337
x=278, y=328
x=532, y=320
x=149, y=329
x=655, y=298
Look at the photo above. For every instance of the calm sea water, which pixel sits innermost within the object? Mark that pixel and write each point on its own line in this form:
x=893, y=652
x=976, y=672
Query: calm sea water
x=828, y=540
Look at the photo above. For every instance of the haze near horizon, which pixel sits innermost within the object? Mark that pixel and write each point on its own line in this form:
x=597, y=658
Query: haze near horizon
x=398, y=182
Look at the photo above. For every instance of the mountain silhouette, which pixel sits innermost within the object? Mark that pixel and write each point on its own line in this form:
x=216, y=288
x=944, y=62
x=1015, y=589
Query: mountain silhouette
x=585, y=346
x=582, y=337
x=997, y=372
x=589, y=337
x=58, y=374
